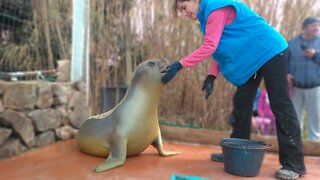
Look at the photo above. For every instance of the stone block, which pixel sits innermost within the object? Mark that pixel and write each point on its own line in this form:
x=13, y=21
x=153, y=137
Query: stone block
x=10, y=148
x=45, y=119
x=20, y=96
x=45, y=138
x=45, y=95
x=22, y=125
x=4, y=134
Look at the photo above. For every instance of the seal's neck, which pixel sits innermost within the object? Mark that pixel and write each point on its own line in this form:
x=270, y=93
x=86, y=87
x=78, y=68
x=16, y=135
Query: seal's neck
x=147, y=94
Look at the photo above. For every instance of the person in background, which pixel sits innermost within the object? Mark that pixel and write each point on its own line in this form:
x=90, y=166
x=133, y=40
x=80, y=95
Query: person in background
x=304, y=75
x=256, y=102
x=254, y=126
x=245, y=49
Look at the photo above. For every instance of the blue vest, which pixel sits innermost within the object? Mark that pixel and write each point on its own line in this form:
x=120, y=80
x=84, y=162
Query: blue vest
x=246, y=44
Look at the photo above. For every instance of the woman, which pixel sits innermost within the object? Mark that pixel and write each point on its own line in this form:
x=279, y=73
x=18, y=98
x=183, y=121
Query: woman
x=245, y=49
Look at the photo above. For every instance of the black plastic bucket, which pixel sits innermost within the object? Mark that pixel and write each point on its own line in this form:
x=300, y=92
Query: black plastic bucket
x=243, y=157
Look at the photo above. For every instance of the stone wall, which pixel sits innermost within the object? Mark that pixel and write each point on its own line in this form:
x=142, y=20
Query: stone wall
x=37, y=113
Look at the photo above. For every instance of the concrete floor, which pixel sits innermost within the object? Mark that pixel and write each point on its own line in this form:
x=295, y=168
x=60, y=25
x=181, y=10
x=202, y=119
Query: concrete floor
x=64, y=161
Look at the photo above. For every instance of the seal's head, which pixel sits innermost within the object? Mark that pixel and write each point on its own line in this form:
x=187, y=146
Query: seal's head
x=150, y=72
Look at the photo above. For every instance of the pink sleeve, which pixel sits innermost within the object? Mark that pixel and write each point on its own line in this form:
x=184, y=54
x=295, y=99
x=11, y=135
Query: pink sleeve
x=214, y=68
x=214, y=28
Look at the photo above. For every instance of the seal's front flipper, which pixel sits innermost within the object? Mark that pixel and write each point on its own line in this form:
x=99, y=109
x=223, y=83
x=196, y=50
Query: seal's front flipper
x=109, y=164
x=117, y=156
x=157, y=143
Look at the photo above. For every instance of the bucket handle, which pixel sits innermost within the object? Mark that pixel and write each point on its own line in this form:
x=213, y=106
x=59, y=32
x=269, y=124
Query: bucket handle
x=245, y=151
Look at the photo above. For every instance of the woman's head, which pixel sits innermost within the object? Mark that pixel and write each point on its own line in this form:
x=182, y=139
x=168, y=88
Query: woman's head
x=188, y=8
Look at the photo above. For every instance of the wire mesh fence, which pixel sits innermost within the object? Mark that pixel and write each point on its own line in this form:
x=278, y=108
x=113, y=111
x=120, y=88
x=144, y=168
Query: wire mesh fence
x=34, y=36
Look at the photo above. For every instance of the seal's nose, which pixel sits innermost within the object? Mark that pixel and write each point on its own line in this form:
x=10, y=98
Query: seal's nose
x=165, y=69
x=164, y=65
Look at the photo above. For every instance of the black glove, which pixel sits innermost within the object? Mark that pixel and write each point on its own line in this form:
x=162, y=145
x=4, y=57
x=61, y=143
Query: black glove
x=208, y=85
x=174, y=68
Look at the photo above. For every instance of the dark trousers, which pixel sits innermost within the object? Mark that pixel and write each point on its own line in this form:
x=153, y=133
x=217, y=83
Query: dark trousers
x=287, y=125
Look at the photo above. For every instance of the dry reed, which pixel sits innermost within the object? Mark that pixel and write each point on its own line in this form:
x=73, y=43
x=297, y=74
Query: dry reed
x=125, y=33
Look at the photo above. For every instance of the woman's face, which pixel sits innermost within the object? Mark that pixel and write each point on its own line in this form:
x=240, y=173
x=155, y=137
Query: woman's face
x=189, y=8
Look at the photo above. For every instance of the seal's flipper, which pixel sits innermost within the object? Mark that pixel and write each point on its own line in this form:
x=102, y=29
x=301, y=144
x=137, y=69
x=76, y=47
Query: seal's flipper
x=157, y=143
x=117, y=156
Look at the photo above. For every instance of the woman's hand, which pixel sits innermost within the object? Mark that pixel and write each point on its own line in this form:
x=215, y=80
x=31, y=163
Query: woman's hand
x=174, y=68
x=208, y=85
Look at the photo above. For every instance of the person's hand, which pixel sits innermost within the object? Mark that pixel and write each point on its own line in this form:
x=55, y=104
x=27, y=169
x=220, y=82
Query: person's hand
x=310, y=52
x=208, y=85
x=290, y=80
x=174, y=68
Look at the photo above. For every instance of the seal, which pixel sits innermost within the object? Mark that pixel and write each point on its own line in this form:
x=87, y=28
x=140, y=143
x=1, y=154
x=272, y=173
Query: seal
x=131, y=126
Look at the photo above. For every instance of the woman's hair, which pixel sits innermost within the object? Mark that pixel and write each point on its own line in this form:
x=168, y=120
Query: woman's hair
x=175, y=7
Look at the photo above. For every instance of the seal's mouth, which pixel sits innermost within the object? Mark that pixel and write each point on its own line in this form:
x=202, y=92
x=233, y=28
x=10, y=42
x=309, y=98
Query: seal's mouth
x=164, y=69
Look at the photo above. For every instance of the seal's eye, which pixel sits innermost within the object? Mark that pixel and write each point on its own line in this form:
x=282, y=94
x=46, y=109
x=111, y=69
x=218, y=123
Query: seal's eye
x=151, y=63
